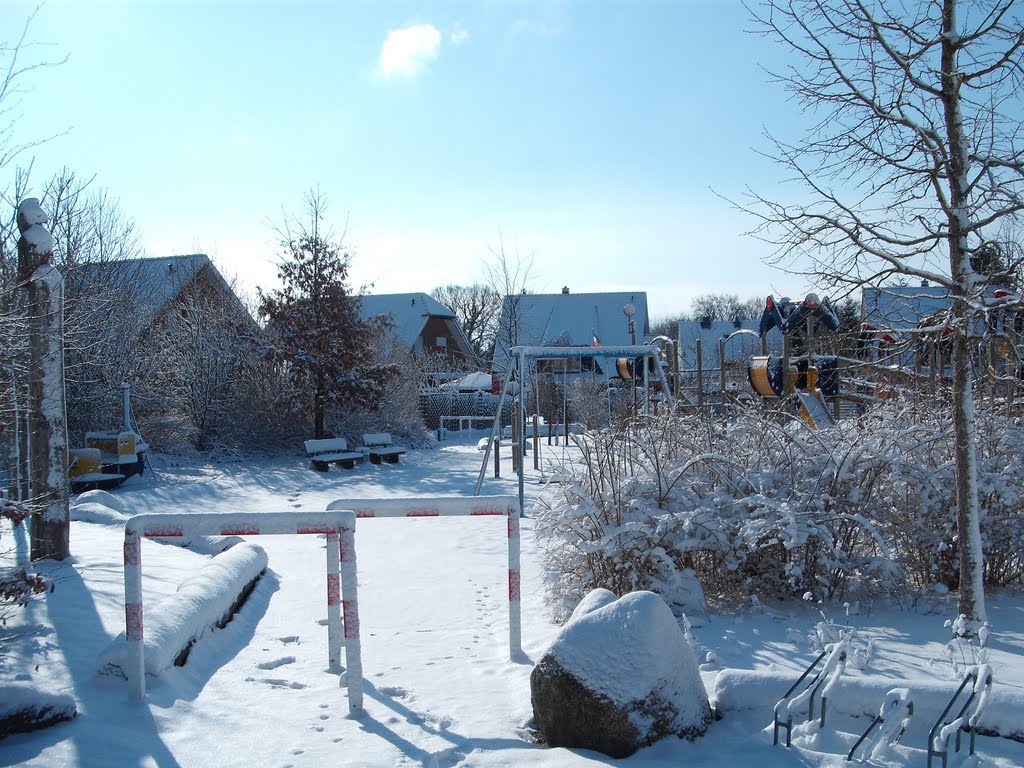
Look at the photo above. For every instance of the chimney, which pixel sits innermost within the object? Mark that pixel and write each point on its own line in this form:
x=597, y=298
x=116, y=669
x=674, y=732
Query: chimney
x=705, y=322
x=565, y=289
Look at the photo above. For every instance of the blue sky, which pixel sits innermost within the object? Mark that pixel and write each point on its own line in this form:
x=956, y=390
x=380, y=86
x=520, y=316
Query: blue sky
x=589, y=134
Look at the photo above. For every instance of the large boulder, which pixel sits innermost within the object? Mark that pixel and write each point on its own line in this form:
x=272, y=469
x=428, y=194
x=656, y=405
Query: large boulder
x=619, y=676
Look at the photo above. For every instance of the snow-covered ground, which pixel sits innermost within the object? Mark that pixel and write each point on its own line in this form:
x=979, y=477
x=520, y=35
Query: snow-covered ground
x=439, y=688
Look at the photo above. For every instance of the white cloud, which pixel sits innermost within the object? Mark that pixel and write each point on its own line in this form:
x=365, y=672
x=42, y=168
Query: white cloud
x=459, y=35
x=405, y=51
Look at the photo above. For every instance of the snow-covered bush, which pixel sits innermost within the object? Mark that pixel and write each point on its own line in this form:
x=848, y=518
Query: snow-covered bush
x=18, y=584
x=756, y=506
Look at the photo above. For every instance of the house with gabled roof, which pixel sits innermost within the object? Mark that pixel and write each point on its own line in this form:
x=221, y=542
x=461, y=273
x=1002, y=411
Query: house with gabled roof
x=151, y=287
x=567, y=319
x=893, y=308
x=170, y=326
x=422, y=325
x=740, y=337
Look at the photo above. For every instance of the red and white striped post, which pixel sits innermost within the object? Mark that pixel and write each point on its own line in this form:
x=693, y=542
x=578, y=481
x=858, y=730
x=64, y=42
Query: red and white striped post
x=350, y=601
x=458, y=506
x=334, y=628
x=339, y=527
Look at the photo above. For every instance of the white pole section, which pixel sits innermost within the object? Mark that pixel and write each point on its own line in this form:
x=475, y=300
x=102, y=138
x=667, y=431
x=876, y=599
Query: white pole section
x=135, y=662
x=334, y=629
x=515, y=620
x=350, y=600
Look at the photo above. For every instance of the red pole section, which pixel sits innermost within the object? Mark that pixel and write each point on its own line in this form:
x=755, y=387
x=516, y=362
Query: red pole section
x=334, y=629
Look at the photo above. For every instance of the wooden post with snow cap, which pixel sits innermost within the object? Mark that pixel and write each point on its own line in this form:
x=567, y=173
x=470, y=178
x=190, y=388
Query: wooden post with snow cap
x=47, y=416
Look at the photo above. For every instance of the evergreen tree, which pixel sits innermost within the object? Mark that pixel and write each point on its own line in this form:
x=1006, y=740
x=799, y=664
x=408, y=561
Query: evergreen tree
x=317, y=334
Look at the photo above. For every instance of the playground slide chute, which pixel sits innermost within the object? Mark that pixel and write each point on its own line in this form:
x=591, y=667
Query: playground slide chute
x=813, y=410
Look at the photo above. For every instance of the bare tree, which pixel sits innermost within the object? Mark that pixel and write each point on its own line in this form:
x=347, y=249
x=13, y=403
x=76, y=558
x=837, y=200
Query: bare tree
x=17, y=59
x=913, y=158
x=509, y=276
x=476, y=308
x=725, y=306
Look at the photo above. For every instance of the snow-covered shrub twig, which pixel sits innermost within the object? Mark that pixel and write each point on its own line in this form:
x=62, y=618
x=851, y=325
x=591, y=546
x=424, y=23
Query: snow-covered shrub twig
x=758, y=506
x=18, y=585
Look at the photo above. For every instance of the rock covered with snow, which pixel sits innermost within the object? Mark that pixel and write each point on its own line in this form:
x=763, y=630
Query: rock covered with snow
x=619, y=676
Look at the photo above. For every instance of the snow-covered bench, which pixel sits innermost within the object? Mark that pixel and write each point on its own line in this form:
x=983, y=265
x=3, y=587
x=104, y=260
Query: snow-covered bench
x=334, y=450
x=380, y=447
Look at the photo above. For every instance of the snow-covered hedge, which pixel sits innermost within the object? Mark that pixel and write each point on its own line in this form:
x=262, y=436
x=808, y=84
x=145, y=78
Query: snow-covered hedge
x=756, y=506
x=203, y=601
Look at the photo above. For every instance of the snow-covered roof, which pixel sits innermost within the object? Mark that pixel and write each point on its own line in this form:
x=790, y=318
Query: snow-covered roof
x=743, y=343
x=409, y=313
x=569, y=319
x=155, y=281
x=898, y=307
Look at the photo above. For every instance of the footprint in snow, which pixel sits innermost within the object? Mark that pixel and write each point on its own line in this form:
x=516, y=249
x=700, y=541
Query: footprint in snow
x=276, y=682
x=276, y=663
x=287, y=639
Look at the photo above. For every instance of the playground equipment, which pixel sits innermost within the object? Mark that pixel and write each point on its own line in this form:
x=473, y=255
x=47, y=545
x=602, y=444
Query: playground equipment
x=646, y=366
x=111, y=456
x=797, y=374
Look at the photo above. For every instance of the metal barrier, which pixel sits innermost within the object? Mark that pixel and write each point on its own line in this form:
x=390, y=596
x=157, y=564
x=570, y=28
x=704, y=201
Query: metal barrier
x=460, y=506
x=944, y=728
x=889, y=724
x=835, y=662
x=338, y=526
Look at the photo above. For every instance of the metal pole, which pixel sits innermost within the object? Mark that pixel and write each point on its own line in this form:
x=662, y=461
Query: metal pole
x=126, y=406
x=699, y=357
x=495, y=428
x=721, y=372
x=519, y=422
x=536, y=441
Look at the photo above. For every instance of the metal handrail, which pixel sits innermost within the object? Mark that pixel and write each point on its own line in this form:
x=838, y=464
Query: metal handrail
x=880, y=720
x=965, y=725
x=788, y=725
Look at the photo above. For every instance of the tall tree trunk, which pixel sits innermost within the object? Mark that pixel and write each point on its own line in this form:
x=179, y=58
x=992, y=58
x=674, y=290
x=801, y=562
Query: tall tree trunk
x=47, y=416
x=319, y=400
x=971, y=601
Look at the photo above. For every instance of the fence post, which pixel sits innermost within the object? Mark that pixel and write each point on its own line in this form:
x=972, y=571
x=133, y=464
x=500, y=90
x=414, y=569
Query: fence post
x=721, y=372
x=516, y=428
x=699, y=359
x=536, y=441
